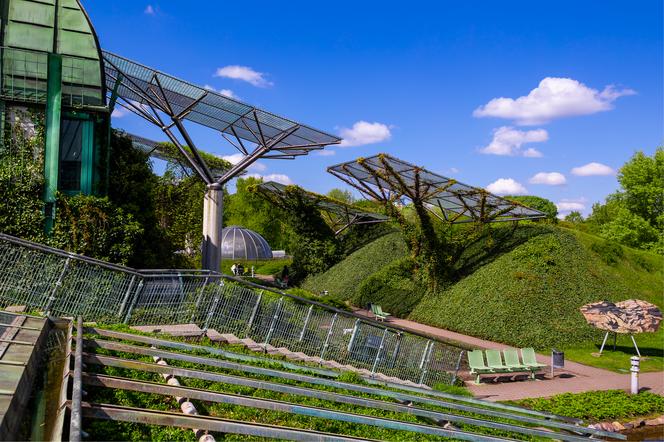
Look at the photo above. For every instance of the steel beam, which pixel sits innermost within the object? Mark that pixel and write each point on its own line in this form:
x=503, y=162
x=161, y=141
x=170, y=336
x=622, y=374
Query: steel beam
x=318, y=394
x=165, y=418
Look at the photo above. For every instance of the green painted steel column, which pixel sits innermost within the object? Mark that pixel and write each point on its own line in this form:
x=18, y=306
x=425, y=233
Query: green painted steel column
x=52, y=148
x=87, y=157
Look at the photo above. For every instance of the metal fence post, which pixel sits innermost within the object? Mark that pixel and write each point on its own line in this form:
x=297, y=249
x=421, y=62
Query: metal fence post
x=306, y=322
x=58, y=283
x=380, y=350
x=126, y=296
x=425, y=367
x=327, y=338
x=274, y=320
x=458, y=366
x=198, y=299
x=254, y=311
x=212, y=309
x=424, y=354
x=137, y=294
x=353, y=335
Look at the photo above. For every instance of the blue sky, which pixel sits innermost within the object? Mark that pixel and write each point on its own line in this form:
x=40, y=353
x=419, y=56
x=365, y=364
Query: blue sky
x=581, y=82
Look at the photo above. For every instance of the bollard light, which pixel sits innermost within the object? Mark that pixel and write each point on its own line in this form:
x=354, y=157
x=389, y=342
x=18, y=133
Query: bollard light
x=636, y=362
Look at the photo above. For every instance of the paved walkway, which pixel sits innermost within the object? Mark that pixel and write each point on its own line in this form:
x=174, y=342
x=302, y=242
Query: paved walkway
x=574, y=378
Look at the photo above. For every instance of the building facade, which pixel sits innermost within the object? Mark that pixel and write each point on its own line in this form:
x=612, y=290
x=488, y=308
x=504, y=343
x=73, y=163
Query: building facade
x=51, y=66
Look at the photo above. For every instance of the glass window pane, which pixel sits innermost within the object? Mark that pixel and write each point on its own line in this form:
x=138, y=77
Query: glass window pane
x=71, y=146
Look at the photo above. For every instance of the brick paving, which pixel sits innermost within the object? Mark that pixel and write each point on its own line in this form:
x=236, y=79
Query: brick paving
x=574, y=378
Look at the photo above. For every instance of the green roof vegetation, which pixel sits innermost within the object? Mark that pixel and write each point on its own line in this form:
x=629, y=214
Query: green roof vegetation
x=526, y=295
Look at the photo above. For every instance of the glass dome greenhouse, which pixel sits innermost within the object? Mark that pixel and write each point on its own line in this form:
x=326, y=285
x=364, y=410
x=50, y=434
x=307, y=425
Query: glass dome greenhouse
x=241, y=243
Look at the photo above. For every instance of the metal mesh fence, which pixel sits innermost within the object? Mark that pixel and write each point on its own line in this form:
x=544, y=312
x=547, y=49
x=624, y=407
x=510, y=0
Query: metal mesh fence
x=56, y=282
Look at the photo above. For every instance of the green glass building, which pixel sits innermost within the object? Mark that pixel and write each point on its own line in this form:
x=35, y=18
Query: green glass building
x=51, y=65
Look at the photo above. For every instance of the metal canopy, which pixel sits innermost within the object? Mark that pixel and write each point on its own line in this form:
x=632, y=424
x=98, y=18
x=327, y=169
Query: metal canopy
x=154, y=149
x=340, y=215
x=255, y=133
x=386, y=178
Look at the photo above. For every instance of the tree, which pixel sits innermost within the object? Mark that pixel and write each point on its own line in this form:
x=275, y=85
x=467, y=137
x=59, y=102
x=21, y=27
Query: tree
x=634, y=216
x=341, y=195
x=538, y=203
x=574, y=217
x=248, y=209
x=642, y=183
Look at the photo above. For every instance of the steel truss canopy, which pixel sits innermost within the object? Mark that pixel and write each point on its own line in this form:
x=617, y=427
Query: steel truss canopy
x=155, y=149
x=340, y=215
x=167, y=101
x=386, y=178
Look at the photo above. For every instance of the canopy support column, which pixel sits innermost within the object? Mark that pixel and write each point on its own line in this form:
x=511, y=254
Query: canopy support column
x=52, y=149
x=213, y=210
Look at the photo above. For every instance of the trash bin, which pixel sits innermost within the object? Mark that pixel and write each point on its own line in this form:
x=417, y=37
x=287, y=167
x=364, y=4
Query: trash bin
x=557, y=360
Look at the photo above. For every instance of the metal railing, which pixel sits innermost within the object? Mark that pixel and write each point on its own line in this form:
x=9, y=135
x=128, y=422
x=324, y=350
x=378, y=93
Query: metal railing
x=59, y=283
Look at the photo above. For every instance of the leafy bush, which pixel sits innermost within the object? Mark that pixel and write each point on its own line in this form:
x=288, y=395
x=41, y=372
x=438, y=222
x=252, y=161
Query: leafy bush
x=609, y=251
x=529, y=296
x=94, y=227
x=343, y=279
x=599, y=405
x=392, y=287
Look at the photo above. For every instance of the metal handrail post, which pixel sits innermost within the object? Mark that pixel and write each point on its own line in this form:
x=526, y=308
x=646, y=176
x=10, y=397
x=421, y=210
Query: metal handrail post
x=380, y=350
x=76, y=395
x=458, y=366
x=254, y=311
x=353, y=335
x=137, y=294
x=425, y=368
x=424, y=354
x=126, y=296
x=198, y=299
x=327, y=338
x=212, y=309
x=277, y=311
x=57, y=285
x=306, y=322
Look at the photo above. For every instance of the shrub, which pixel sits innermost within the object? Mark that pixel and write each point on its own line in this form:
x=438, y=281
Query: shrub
x=527, y=297
x=392, y=287
x=609, y=251
x=599, y=405
x=343, y=279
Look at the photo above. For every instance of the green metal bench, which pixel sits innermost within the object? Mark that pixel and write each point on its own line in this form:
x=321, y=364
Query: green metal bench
x=379, y=313
x=494, y=362
x=477, y=365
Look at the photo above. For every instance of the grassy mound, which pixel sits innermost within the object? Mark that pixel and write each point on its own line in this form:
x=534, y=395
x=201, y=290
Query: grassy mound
x=392, y=288
x=344, y=278
x=530, y=296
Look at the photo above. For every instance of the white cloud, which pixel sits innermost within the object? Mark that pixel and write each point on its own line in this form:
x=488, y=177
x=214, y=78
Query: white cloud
x=506, y=186
x=548, y=178
x=509, y=141
x=453, y=170
x=593, y=169
x=553, y=98
x=363, y=133
x=149, y=10
x=244, y=73
x=237, y=157
x=326, y=152
x=277, y=177
x=119, y=112
x=566, y=205
x=225, y=92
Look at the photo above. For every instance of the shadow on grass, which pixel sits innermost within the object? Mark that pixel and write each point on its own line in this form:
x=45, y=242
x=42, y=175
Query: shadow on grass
x=630, y=350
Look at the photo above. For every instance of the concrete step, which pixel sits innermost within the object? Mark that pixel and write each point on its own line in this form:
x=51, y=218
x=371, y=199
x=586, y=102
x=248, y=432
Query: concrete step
x=182, y=330
x=251, y=344
x=227, y=338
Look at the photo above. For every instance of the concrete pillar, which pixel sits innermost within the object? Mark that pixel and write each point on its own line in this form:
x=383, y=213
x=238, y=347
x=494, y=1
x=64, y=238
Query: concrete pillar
x=213, y=210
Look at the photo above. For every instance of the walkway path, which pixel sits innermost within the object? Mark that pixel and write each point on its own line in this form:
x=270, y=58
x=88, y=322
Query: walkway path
x=574, y=378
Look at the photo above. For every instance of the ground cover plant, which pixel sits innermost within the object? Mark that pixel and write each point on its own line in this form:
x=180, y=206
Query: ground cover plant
x=599, y=405
x=117, y=431
x=343, y=279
